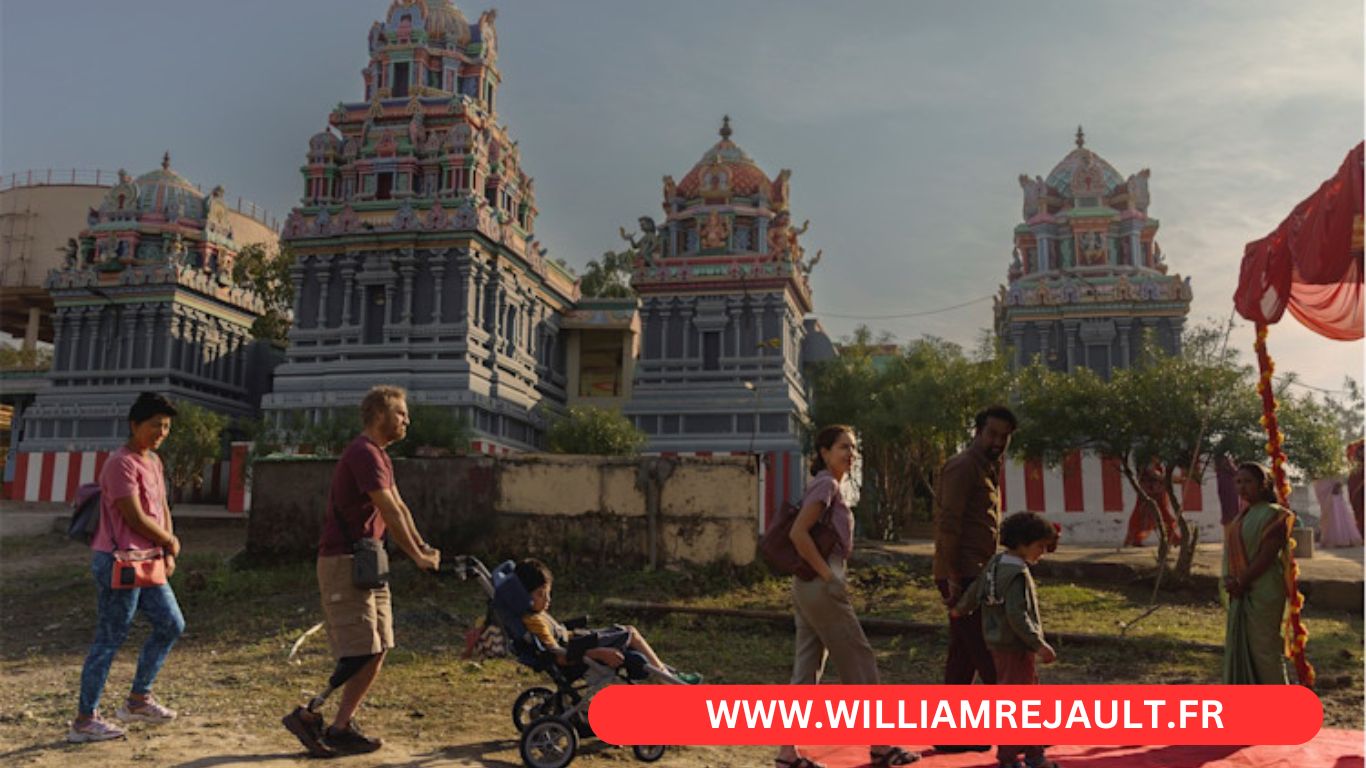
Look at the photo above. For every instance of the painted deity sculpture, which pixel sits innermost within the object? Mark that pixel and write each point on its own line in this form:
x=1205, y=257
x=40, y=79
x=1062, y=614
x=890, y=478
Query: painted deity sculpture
x=649, y=246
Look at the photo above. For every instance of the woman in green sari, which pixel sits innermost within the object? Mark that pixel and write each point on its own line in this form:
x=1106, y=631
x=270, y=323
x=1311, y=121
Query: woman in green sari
x=1255, y=570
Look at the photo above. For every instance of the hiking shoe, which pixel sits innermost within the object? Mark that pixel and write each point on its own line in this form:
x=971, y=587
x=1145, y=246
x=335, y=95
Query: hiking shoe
x=94, y=729
x=307, y=727
x=148, y=710
x=350, y=741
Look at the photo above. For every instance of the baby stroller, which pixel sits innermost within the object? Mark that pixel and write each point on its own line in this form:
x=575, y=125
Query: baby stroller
x=553, y=720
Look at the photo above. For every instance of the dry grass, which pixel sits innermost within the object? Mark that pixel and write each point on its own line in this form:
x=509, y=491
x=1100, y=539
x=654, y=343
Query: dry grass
x=230, y=679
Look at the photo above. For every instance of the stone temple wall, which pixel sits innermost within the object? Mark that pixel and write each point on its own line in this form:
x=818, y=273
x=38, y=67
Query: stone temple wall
x=578, y=508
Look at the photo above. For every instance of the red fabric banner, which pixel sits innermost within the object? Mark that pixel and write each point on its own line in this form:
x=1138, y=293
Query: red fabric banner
x=1312, y=263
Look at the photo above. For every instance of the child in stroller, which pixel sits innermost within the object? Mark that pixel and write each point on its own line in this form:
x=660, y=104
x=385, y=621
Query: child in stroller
x=579, y=662
x=610, y=646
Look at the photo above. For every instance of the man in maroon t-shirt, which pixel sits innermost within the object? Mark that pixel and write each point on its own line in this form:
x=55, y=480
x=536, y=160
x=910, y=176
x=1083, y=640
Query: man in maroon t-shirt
x=363, y=503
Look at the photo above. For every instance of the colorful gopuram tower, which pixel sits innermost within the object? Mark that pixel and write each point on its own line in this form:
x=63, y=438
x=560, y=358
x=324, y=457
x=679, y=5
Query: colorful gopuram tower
x=416, y=259
x=724, y=297
x=144, y=301
x=1088, y=278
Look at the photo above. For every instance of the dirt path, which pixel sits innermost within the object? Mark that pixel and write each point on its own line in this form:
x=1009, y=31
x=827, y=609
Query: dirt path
x=232, y=684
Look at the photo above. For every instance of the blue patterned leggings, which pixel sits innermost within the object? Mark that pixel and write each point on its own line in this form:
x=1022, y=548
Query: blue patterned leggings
x=116, y=610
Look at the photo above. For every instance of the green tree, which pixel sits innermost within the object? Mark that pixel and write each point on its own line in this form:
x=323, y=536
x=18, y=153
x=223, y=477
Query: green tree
x=1176, y=410
x=13, y=358
x=596, y=431
x=912, y=407
x=331, y=434
x=1313, y=437
x=267, y=272
x=434, y=430
x=196, y=440
x=608, y=277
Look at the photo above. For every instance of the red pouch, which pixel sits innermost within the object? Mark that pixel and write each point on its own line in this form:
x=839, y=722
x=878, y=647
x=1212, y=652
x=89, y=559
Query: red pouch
x=137, y=568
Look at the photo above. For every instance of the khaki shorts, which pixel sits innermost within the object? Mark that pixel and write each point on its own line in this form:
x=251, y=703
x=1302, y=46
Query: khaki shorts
x=360, y=622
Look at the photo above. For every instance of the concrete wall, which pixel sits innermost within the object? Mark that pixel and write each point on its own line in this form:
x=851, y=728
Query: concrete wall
x=585, y=508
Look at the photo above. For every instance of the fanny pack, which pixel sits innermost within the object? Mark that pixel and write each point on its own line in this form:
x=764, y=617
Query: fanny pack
x=369, y=564
x=369, y=560
x=137, y=568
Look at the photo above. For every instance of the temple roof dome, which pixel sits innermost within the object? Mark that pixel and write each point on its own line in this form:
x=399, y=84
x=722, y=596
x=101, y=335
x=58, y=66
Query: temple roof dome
x=163, y=190
x=1082, y=163
x=443, y=19
x=440, y=18
x=726, y=166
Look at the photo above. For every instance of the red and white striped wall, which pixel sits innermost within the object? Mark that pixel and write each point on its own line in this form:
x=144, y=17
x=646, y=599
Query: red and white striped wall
x=1092, y=500
x=54, y=476
x=489, y=448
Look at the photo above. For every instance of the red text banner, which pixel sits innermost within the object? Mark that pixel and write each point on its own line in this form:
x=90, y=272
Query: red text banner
x=947, y=714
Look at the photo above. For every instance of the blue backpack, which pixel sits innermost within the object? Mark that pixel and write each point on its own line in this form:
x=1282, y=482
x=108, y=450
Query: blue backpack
x=85, y=514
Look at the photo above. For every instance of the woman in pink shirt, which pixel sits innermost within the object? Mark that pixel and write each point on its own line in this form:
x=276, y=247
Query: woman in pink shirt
x=133, y=516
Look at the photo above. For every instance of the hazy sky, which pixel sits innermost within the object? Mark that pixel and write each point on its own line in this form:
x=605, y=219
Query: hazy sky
x=905, y=123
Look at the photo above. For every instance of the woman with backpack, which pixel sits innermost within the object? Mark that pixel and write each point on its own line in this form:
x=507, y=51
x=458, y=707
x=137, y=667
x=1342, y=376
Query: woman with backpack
x=825, y=618
x=134, y=553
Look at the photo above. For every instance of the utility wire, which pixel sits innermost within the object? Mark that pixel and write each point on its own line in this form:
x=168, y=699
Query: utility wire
x=906, y=314
x=1297, y=383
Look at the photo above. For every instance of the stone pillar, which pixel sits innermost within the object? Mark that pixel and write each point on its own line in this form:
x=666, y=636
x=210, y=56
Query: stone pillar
x=734, y=313
x=128, y=340
x=296, y=276
x=201, y=334
x=148, y=313
x=324, y=284
x=438, y=283
x=389, y=290
x=500, y=329
x=1124, y=326
x=479, y=295
x=96, y=333
x=1043, y=331
x=348, y=295
x=58, y=332
x=666, y=316
x=71, y=338
x=243, y=355
x=213, y=357
x=1070, y=329
x=686, y=313
x=1135, y=249
x=405, y=271
x=168, y=343
x=762, y=245
x=364, y=306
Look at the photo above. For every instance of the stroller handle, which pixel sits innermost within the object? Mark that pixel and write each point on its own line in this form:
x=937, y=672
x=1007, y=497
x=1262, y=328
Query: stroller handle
x=462, y=567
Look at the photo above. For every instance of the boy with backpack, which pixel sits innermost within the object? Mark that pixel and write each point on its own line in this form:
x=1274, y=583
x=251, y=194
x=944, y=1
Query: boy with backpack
x=1010, y=616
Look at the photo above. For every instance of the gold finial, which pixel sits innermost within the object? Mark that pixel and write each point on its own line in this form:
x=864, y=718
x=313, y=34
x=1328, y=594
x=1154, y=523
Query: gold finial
x=1081, y=138
x=725, y=127
x=166, y=160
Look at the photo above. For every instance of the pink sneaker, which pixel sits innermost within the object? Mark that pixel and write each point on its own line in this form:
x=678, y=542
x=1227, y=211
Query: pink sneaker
x=148, y=710
x=94, y=729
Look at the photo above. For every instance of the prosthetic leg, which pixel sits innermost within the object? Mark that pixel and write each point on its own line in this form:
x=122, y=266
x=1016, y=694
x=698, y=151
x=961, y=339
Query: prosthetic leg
x=305, y=722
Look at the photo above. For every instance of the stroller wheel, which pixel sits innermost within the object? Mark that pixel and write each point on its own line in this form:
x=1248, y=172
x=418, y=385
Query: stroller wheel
x=549, y=743
x=532, y=705
x=648, y=754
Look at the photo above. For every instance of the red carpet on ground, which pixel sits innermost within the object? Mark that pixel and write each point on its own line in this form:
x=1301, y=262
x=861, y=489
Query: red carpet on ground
x=1330, y=749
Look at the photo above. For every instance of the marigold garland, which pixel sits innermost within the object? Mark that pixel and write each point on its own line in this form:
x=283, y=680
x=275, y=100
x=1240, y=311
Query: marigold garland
x=1296, y=634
